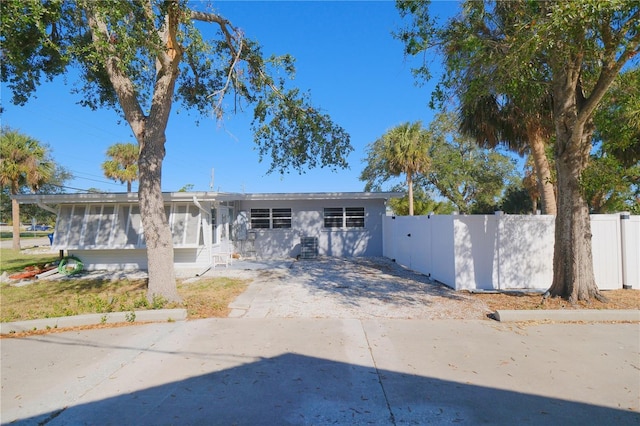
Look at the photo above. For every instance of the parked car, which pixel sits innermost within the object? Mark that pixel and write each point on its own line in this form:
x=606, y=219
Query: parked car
x=39, y=228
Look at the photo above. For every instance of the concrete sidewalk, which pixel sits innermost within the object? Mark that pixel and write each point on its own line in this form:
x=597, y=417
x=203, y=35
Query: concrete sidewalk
x=325, y=371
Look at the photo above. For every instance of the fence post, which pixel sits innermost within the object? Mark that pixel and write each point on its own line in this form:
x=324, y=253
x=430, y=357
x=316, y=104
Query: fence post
x=498, y=214
x=624, y=219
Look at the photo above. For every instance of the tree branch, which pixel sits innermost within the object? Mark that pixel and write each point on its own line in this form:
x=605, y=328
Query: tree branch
x=122, y=85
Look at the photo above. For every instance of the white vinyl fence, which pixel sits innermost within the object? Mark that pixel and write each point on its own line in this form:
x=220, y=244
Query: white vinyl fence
x=502, y=252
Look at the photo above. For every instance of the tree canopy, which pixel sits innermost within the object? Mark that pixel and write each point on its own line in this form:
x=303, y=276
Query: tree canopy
x=123, y=163
x=573, y=51
x=472, y=178
x=24, y=163
x=401, y=150
x=469, y=177
x=141, y=57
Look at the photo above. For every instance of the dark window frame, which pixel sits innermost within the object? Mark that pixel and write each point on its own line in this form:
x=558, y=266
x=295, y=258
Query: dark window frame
x=270, y=218
x=344, y=217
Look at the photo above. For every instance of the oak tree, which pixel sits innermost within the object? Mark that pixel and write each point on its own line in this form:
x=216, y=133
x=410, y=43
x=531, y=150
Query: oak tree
x=140, y=57
x=575, y=50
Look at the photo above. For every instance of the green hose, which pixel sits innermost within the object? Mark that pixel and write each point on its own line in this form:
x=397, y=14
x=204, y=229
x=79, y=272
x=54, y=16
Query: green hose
x=70, y=265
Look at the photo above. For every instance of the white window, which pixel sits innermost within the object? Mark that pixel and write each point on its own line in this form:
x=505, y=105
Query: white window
x=344, y=217
x=277, y=218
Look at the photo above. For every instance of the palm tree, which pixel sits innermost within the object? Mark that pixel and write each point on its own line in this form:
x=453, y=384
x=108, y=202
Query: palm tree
x=24, y=162
x=123, y=165
x=403, y=149
x=521, y=130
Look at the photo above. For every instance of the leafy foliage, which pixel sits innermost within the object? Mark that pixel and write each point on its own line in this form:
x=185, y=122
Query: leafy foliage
x=424, y=204
x=516, y=200
x=520, y=50
x=24, y=162
x=139, y=57
x=472, y=178
x=609, y=186
x=123, y=165
x=401, y=150
x=50, y=36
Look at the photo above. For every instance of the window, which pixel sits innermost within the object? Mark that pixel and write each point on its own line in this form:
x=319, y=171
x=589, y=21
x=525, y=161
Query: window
x=281, y=218
x=184, y=220
x=278, y=218
x=354, y=217
x=348, y=217
x=260, y=218
x=333, y=217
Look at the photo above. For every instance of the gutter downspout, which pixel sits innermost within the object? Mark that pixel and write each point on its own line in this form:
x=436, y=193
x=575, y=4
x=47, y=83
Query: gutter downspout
x=210, y=245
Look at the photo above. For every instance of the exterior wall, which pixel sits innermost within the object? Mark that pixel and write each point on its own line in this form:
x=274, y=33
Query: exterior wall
x=136, y=259
x=504, y=252
x=307, y=221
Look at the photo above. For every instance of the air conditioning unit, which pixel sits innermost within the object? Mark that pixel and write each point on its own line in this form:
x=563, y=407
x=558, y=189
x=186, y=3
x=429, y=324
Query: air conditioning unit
x=308, y=247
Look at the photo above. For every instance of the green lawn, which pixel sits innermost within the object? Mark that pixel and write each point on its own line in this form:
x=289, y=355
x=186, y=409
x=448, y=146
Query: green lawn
x=75, y=295
x=13, y=261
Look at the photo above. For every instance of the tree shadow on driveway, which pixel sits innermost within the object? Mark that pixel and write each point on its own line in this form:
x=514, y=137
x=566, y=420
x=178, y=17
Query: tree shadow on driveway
x=362, y=287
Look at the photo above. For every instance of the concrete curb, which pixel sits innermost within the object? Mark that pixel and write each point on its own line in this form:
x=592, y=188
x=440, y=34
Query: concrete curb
x=158, y=315
x=568, y=315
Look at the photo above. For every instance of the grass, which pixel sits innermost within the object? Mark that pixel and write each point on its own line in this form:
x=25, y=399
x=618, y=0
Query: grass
x=14, y=260
x=207, y=297
x=25, y=234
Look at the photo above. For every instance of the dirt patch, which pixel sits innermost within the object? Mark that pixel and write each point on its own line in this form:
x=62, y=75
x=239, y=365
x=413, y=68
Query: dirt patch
x=617, y=299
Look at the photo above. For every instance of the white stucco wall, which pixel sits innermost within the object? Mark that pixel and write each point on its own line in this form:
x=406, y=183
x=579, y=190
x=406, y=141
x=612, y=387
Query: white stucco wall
x=307, y=221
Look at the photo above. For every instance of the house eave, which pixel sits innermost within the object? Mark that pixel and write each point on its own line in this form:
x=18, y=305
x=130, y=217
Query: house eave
x=200, y=196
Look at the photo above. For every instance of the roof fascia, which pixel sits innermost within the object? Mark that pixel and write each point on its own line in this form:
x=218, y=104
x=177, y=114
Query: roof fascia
x=200, y=196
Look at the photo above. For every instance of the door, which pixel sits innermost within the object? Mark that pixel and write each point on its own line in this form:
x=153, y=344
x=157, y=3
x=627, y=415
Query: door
x=222, y=229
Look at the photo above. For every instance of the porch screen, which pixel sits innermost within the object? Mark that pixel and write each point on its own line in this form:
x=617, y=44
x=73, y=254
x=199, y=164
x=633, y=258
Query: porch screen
x=119, y=226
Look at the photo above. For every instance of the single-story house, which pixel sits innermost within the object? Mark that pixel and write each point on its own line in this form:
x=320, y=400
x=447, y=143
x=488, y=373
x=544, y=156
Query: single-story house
x=105, y=230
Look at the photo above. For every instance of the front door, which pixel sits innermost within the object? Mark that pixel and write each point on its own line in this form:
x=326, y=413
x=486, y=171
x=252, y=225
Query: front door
x=220, y=228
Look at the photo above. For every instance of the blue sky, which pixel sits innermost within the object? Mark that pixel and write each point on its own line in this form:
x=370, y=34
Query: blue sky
x=345, y=56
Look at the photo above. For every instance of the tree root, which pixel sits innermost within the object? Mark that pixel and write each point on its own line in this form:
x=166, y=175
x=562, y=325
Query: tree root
x=600, y=298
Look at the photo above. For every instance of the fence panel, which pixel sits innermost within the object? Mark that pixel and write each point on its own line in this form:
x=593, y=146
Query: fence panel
x=443, y=267
x=475, y=252
x=508, y=252
x=607, y=251
x=631, y=242
x=525, y=252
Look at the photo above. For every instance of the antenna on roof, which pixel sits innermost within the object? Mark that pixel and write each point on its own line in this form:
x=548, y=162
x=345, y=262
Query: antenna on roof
x=211, y=182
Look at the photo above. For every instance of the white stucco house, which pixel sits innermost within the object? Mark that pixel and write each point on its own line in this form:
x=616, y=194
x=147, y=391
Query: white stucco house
x=105, y=230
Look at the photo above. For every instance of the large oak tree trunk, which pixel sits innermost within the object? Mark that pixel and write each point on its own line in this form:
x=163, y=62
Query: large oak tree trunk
x=573, y=277
x=162, y=281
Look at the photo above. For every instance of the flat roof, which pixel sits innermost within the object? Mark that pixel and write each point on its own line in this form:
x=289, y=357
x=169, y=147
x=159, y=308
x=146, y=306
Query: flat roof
x=132, y=197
